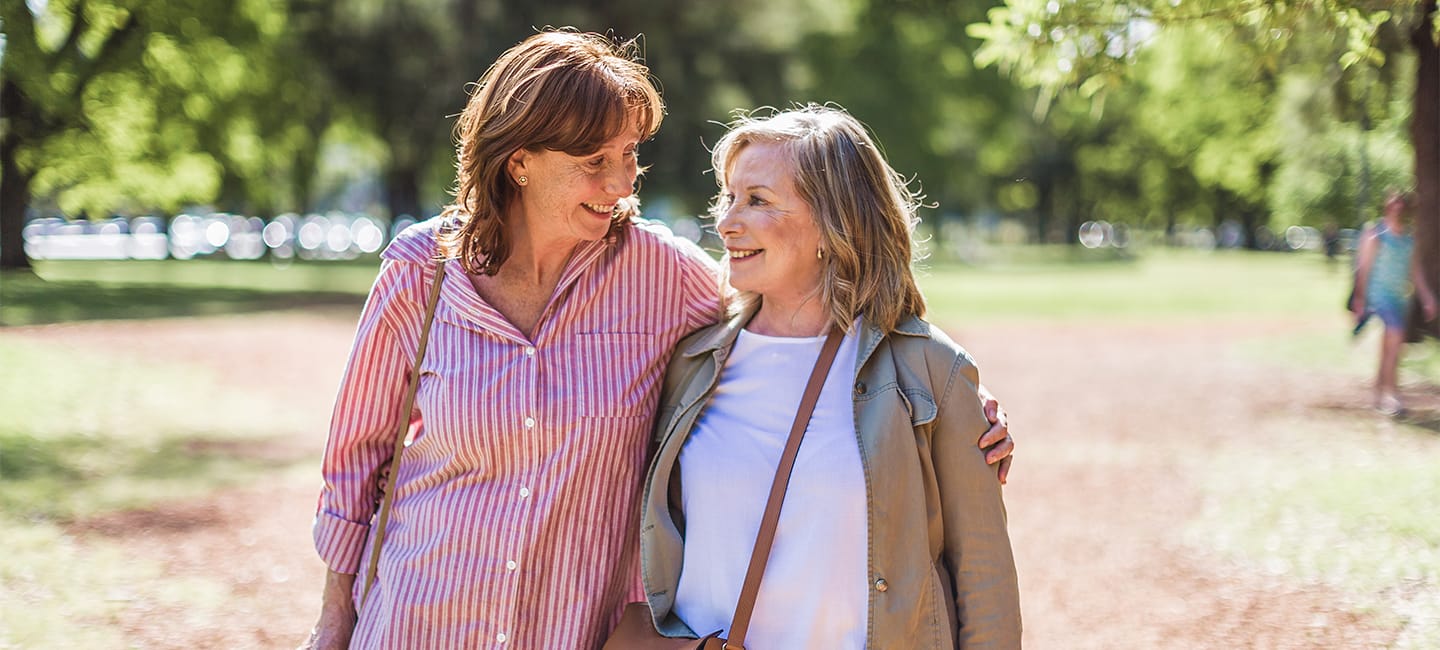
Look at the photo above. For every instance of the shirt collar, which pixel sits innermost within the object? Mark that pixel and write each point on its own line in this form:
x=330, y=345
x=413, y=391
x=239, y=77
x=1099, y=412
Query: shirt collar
x=724, y=334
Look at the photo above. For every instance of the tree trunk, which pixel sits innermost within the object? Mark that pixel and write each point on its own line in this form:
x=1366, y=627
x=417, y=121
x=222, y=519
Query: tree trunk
x=1425, y=134
x=402, y=191
x=1044, y=209
x=14, y=182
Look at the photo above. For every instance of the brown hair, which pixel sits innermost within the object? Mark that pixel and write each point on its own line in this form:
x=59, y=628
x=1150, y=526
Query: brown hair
x=1405, y=197
x=558, y=90
x=865, y=211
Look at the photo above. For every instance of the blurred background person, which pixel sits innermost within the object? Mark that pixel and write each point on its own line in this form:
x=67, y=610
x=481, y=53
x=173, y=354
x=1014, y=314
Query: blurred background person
x=1387, y=272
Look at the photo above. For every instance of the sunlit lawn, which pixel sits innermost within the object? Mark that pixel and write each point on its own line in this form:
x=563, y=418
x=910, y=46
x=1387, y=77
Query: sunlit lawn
x=1157, y=284
x=83, y=434
x=1350, y=502
x=62, y=291
x=1040, y=283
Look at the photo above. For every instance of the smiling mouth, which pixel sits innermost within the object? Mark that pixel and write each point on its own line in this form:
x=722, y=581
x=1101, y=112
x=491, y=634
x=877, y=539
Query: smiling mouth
x=742, y=254
x=600, y=209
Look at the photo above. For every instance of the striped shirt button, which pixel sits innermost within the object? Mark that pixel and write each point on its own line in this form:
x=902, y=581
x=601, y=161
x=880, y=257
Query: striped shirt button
x=524, y=493
x=529, y=423
x=501, y=637
x=529, y=351
x=511, y=565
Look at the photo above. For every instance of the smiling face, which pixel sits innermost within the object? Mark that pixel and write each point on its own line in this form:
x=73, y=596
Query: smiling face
x=574, y=197
x=770, y=233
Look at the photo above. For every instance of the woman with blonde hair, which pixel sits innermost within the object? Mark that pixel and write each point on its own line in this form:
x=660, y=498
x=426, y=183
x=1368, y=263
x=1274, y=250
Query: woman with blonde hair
x=512, y=517
x=892, y=531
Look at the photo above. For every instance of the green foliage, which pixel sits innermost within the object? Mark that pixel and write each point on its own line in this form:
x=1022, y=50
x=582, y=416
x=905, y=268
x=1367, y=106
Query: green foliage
x=1231, y=91
x=135, y=107
x=1086, y=46
x=1334, y=170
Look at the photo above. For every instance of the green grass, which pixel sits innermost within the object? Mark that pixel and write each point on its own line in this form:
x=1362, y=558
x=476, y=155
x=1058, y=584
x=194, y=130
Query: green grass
x=1348, y=500
x=1157, y=285
x=58, y=593
x=1351, y=501
x=62, y=291
x=88, y=433
x=1013, y=283
x=1336, y=351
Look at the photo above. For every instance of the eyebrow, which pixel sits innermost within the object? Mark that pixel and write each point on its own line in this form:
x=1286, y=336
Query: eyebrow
x=758, y=187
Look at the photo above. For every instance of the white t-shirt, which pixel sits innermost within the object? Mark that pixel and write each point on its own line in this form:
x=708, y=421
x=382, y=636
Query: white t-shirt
x=815, y=590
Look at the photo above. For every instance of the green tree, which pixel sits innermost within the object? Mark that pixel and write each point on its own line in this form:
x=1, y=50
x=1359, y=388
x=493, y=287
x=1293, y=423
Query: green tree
x=134, y=106
x=1085, y=46
x=42, y=84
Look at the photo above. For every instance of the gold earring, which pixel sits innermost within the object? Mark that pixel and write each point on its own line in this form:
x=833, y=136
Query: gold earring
x=819, y=253
x=522, y=180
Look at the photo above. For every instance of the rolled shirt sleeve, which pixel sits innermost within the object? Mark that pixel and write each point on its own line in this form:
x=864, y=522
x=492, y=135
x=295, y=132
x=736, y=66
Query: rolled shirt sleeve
x=367, y=415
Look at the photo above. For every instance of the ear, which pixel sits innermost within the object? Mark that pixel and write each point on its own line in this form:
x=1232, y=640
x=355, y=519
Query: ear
x=518, y=163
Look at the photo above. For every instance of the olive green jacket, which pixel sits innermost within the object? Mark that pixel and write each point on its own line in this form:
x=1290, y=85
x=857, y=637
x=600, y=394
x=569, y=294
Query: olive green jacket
x=940, y=567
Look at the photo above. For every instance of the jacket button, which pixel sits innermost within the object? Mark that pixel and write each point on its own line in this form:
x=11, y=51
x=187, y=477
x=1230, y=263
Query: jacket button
x=859, y=388
x=882, y=586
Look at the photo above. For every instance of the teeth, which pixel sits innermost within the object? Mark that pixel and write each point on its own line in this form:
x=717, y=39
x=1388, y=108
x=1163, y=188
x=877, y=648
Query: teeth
x=599, y=208
x=736, y=255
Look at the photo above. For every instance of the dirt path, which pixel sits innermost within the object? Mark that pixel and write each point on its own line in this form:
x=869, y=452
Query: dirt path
x=1106, y=417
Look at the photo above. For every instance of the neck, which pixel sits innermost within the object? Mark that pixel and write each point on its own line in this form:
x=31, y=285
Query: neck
x=801, y=318
x=535, y=256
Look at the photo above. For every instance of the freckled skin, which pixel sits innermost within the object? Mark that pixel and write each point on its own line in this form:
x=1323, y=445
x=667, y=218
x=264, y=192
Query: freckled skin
x=558, y=185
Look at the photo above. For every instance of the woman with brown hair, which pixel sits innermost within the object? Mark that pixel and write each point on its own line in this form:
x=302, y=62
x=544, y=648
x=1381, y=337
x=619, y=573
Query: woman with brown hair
x=1387, y=273
x=512, y=520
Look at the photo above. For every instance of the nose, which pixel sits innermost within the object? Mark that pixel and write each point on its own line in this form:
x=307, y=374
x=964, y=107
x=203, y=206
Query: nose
x=620, y=181
x=730, y=222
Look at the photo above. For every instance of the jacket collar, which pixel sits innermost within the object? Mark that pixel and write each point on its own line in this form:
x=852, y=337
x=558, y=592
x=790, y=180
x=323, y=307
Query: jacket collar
x=870, y=336
x=723, y=335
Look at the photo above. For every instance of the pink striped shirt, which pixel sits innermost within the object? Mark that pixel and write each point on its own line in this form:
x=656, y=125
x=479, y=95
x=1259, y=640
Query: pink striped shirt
x=516, y=510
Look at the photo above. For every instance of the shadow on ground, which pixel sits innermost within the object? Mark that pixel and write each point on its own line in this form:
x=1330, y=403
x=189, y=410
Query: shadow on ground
x=26, y=299
x=68, y=476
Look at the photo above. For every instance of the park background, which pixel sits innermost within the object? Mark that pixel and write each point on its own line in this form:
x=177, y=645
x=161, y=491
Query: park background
x=1127, y=208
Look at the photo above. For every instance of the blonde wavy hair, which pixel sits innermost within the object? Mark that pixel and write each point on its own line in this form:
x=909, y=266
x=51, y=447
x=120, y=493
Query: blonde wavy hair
x=557, y=90
x=865, y=210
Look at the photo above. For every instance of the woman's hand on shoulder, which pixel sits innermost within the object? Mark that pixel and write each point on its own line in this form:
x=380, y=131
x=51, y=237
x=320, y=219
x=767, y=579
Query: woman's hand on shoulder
x=999, y=446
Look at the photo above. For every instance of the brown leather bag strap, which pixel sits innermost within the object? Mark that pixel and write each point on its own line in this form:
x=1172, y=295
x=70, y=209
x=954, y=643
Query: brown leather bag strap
x=735, y=640
x=402, y=430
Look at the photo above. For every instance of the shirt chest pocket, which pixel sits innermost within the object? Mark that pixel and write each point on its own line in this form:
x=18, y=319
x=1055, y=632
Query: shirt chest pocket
x=610, y=374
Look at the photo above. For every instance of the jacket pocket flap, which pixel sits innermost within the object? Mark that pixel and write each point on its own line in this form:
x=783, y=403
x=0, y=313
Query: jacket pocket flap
x=919, y=404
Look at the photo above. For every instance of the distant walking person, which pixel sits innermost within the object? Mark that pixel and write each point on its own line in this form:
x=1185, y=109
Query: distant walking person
x=1386, y=272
